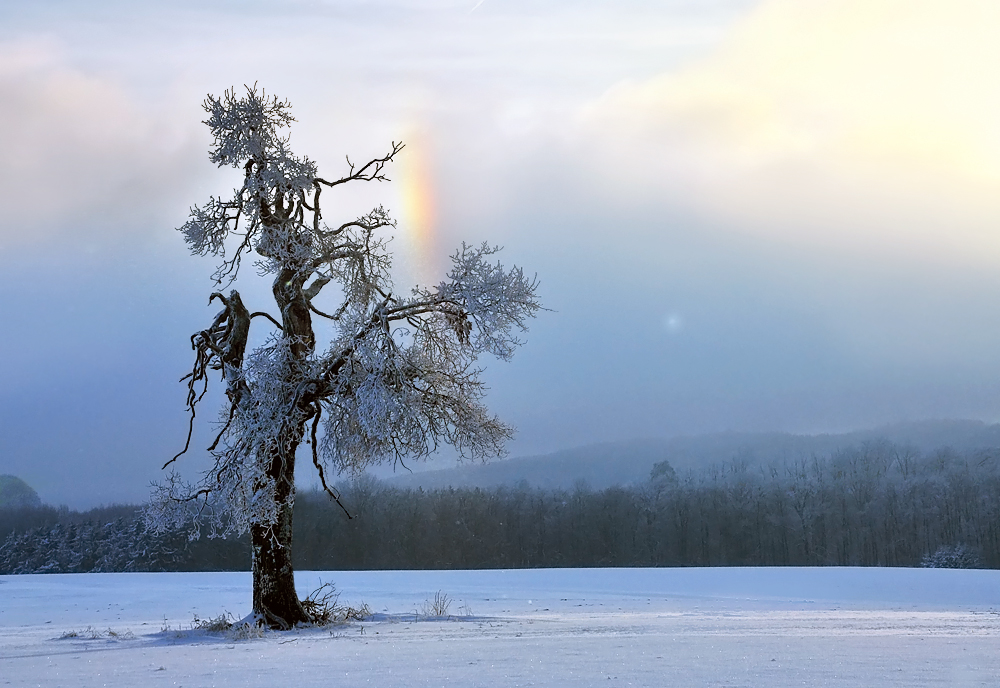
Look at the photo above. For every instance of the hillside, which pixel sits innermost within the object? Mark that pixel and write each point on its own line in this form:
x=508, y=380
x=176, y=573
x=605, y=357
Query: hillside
x=621, y=463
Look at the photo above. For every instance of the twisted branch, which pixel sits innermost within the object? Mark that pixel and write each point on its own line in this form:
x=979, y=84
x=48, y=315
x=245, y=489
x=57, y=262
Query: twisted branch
x=319, y=466
x=221, y=346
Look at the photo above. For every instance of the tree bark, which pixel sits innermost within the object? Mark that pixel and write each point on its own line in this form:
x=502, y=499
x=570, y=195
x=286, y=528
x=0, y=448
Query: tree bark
x=274, y=596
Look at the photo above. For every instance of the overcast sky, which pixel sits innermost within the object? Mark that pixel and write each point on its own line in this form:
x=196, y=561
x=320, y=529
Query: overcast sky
x=746, y=215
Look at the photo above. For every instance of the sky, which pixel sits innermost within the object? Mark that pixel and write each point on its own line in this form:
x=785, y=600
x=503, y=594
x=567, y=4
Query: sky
x=743, y=214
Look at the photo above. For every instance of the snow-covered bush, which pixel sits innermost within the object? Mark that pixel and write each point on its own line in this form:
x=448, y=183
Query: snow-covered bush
x=952, y=557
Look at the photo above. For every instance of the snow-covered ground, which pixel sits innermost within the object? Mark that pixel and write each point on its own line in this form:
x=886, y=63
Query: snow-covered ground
x=554, y=627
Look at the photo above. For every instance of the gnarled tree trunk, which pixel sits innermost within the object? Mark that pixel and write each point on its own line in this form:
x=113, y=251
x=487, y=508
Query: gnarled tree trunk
x=274, y=596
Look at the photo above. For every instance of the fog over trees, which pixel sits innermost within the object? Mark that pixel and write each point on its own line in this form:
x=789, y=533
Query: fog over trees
x=874, y=504
x=630, y=461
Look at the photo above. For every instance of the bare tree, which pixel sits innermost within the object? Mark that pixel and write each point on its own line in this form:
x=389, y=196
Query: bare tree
x=397, y=378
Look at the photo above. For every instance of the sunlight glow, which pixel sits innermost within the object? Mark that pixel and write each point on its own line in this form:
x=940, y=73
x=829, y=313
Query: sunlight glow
x=419, y=207
x=842, y=115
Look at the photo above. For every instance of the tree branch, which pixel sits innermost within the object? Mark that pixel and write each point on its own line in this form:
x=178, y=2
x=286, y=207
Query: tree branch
x=312, y=291
x=269, y=317
x=220, y=346
x=370, y=171
x=319, y=466
x=327, y=315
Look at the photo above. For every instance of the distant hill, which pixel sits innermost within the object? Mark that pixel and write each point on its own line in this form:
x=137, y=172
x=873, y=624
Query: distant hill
x=17, y=494
x=621, y=463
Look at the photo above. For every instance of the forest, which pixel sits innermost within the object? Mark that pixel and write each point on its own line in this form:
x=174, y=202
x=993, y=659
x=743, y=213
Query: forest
x=875, y=504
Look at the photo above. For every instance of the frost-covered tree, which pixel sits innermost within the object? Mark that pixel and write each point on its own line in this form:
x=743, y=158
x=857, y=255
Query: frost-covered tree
x=397, y=378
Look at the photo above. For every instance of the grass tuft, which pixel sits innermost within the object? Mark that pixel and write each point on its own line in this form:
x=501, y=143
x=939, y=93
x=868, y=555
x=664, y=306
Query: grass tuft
x=322, y=607
x=437, y=607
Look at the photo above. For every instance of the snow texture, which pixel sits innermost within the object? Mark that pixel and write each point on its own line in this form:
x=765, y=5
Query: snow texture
x=551, y=627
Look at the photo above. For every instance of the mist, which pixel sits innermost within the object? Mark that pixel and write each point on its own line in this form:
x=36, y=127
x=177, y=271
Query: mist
x=720, y=248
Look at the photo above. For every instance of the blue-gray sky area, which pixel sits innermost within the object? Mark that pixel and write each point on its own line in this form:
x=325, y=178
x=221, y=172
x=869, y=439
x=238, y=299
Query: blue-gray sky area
x=744, y=215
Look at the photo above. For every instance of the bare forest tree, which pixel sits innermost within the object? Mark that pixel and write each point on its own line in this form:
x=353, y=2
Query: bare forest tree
x=397, y=379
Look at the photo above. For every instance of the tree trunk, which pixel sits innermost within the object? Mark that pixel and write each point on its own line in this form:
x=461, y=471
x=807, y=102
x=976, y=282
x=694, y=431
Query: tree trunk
x=274, y=596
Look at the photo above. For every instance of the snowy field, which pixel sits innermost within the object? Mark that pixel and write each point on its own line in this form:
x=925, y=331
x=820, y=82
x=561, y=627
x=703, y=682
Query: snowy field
x=555, y=627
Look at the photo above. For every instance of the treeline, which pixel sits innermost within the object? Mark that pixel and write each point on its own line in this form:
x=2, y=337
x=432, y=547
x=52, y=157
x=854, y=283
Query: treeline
x=26, y=518
x=874, y=505
x=878, y=504
x=113, y=538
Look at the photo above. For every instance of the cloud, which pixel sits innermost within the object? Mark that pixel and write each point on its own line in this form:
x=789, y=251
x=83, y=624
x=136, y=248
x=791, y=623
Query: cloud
x=76, y=146
x=858, y=123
